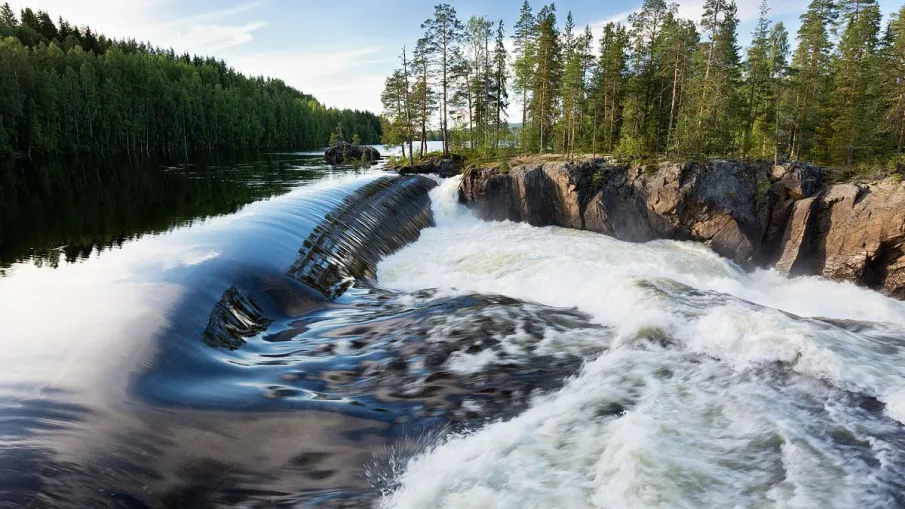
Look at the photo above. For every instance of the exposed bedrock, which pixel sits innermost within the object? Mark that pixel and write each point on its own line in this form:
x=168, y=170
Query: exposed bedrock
x=757, y=214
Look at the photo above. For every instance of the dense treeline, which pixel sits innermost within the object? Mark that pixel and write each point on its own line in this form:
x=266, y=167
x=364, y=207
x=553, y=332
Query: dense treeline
x=662, y=85
x=65, y=89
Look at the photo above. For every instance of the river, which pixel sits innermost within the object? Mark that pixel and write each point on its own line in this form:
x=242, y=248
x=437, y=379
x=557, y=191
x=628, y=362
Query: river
x=275, y=332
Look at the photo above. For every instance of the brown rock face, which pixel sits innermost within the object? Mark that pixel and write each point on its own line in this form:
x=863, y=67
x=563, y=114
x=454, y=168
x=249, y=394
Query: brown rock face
x=756, y=214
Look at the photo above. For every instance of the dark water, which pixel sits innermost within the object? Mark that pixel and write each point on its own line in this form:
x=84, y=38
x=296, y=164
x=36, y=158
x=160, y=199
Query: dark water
x=211, y=335
x=79, y=206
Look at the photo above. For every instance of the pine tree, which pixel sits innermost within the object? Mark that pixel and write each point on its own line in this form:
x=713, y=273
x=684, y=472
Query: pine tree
x=547, y=77
x=422, y=93
x=855, y=82
x=407, y=105
x=710, y=127
x=645, y=86
x=895, y=66
x=571, y=84
x=500, y=99
x=524, y=62
x=758, y=70
x=679, y=40
x=395, y=131
x=607, y=87
x=577, y=60
x=778, y=57
x=811, y=64
x=443, y=33
x=478, y=31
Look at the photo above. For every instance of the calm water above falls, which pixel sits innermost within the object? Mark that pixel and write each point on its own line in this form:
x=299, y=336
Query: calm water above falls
x=245, y=337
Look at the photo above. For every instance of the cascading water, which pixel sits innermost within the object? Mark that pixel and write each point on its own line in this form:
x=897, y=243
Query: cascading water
x=287, y=353
x=702, y=385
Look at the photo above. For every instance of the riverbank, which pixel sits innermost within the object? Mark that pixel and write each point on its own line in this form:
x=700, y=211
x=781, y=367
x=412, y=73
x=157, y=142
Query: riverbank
x=790, y=216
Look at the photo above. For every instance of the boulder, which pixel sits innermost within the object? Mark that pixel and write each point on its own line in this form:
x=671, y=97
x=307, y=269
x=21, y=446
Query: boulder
x=442, y=166
x=344, y=152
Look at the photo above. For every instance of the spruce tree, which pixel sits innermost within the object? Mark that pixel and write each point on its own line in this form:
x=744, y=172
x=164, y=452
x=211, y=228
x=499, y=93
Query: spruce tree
x=679, y=40
x=571, y=84
x=895, y=79
x=758, y=69
x=7, y=16
x=811, y=65
x=710, y=120
x=855, y=83
x=778, y=57
x=607, y=86
x=644, y=102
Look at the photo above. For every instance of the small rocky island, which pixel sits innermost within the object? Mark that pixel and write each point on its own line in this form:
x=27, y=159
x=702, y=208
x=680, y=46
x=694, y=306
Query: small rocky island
x=441, y=166
x=344, y=152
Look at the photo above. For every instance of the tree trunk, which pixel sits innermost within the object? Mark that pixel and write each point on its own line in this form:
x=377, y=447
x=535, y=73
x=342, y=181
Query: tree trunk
x=776, y=122
x=408, y=108
x=901, y=146
x=424, y=111
x=713, y=28
x=444, y=125
x=672, y=103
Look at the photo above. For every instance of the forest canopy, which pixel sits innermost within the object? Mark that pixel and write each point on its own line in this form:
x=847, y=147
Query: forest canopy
x=660, y=85
x=67, y=89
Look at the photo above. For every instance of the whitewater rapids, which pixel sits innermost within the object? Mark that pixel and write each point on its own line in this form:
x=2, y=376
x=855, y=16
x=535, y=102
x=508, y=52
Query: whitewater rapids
x=705, y=386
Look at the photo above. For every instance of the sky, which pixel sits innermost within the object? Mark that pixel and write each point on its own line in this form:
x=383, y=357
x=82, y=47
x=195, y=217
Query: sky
x=340, y=52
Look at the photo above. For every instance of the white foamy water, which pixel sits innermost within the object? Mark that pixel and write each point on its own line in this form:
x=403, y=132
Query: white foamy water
x=708, y=386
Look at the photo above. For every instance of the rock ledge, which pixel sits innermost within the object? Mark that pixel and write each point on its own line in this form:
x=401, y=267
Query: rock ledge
x=786, y=216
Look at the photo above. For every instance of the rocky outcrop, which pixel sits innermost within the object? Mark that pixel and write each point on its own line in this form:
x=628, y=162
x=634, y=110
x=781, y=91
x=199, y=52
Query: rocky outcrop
x=787, y=216
x=443, y=166
x=344, y=152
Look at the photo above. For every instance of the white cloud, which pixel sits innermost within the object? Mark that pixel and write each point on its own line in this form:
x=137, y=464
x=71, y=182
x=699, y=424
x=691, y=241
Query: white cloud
x=213, y=15
x=621, y=17
x=143, y=20
x=209, y=38
x=350, y=78
x=119, y=19
x=693, y=9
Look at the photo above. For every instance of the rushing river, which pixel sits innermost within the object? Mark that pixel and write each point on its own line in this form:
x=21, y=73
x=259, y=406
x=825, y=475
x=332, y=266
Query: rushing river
x=280, y=333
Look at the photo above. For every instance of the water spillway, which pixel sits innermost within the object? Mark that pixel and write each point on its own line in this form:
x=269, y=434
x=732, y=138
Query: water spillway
x=363, y=340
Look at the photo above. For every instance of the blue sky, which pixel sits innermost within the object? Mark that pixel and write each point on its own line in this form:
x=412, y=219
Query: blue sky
x=339, y=51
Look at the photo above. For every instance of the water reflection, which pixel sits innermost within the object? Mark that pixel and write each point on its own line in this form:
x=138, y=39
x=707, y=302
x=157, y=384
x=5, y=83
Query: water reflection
x=246, y=359
x=56, y=210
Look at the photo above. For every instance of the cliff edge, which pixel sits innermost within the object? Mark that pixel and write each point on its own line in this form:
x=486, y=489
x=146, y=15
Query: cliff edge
x=788, y=216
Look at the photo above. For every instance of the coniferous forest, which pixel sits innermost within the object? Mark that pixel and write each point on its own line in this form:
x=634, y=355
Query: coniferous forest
x=68, y=90
x=660, y=85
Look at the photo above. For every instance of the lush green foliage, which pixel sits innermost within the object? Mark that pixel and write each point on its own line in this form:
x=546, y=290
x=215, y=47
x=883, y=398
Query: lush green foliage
x=663, y=85
x=66, y=90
